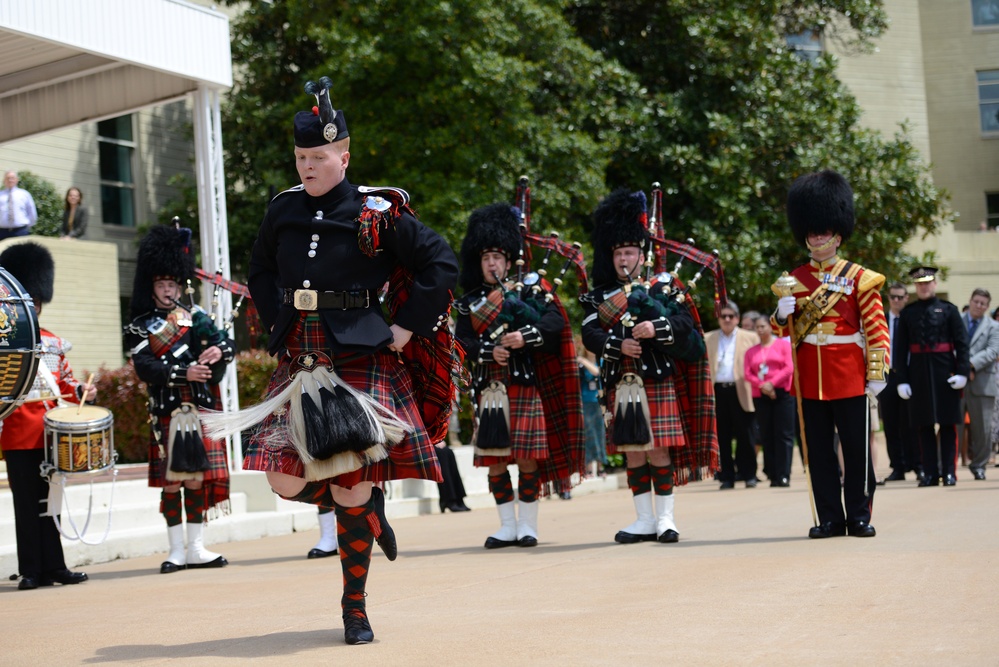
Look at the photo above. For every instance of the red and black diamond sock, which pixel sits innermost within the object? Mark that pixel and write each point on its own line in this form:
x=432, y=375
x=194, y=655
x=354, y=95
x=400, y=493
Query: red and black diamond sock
x=528, y=486
x=170, y=508
x=354, y=536
x=501, y=487
x=639, y=479
x=662, y=480
x=314, y=493
x=194, y=505
x=325, y=510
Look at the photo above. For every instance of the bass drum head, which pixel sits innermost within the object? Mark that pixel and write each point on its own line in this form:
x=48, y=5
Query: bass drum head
x=20, y=337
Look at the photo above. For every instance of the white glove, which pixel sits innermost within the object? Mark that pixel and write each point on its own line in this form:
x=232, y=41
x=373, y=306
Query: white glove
x=875, y=387
x=957, y=381
x=785, y=306
x=904, y=391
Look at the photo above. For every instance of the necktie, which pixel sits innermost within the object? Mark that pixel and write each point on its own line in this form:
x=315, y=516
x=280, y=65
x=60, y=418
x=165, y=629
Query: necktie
x=10, y=208
x=971, y=327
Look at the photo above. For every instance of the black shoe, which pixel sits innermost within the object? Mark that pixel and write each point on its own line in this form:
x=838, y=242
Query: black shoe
x=895, y=476
x=631, y=538
x=27, y=584
x=456, y=506
x=64, y=577
x=386, y=540
x=949, y=480
x=783, y=482
x=218, y=562
x=978, y=473
x=527, y=541
x=316, y=552
x=929, y=481
x=726, y=485
x=827, y=529
x=494, y=543
x=166, y=567
x=356, y=629
x=669, y=537
x=860, y=529
x=565, y=495
x=751, y=483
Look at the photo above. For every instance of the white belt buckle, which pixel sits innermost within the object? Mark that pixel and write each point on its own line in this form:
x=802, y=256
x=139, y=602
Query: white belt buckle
x=820, y=338
x=306, y=299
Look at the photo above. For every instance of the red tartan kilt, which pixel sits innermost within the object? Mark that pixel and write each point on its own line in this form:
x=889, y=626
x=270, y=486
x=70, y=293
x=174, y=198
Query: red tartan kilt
x=528, y=434
x=664, y=410
x=381, y=376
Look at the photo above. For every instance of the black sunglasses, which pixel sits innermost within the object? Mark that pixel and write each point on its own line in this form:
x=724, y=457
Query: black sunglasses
x=898, y=297
x=727, y=316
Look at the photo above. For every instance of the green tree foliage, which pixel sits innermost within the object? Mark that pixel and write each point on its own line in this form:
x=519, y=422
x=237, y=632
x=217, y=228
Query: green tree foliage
x=731, y=116
x=48, y=202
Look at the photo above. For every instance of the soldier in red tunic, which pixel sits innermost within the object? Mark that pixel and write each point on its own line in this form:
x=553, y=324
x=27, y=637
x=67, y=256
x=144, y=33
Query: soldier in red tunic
x=841, y=338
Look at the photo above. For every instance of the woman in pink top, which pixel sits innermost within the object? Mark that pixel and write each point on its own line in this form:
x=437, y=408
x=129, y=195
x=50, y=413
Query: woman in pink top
x=769, y=371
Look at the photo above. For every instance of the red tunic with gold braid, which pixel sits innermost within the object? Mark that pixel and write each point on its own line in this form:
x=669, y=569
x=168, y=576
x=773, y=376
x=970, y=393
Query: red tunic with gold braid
x=850, y=344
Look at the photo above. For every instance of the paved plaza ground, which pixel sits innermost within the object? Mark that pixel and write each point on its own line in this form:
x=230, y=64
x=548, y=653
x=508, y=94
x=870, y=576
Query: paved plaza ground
x=744, y=586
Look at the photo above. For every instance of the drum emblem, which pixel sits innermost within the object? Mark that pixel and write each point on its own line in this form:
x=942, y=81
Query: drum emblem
x=8, y=318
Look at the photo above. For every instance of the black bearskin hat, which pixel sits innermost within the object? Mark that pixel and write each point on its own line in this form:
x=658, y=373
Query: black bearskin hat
x=165, y=252
x=619, y=220
x=324, y=124
x=31, y=264
x=820, y=202
x=492, y=227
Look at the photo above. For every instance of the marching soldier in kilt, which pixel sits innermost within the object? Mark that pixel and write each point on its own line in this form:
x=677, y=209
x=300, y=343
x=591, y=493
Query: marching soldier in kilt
x=839, y=331
x=181, y=355
x=361, y=392
x=933, y=365
x=665, y=427
x=525, y=387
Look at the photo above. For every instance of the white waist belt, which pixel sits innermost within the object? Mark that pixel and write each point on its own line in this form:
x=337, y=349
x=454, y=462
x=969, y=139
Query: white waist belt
x=823, y=339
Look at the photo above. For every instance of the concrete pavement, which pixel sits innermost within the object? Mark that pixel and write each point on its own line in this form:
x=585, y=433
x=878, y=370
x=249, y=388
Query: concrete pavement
x=743, y=586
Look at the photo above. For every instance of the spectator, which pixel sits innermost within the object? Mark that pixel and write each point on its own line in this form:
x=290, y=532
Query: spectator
x=593, y=418
x=17, y=209
x=980, y=394
x=749, y=320
x=769, y=370
x=74, y=215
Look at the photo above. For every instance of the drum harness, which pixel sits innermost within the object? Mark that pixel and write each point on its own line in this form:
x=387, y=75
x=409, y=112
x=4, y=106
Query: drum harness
x=57, y=487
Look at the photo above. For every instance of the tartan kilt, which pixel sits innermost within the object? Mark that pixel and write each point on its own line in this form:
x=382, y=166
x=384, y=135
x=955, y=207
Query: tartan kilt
x=528, y=435
x=216, y=480
x=665, y=420
x=381, y=376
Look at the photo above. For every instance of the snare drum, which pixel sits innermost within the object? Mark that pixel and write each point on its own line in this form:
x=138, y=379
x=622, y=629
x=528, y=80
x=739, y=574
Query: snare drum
x=79, y=440
x=20, y=338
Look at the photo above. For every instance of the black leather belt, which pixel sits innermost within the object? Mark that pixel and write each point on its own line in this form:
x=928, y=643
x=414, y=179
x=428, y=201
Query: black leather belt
x=310, y=299
x=725, y=385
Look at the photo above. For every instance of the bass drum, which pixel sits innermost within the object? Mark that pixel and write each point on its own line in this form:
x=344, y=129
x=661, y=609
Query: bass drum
x=20, y=340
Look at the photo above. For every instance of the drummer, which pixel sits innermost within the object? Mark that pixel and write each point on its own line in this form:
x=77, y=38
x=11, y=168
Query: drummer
x=40, y=559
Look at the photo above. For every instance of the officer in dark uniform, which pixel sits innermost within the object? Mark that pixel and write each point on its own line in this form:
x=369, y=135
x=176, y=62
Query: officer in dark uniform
x=932, y=366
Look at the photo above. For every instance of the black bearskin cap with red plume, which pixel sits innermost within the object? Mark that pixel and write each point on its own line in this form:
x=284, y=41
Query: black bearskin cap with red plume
x=165, y=252
x=619, y=220
x=492, y=227
x=820, y=202
x=32, y=265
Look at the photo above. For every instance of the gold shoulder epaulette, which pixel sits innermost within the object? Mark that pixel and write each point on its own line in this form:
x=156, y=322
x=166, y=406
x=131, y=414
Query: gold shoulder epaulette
x=870, y=280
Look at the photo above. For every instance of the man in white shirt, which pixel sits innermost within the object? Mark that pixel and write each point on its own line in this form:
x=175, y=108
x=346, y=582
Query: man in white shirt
x=900, y=440
x=17, y=208
x=733, y=397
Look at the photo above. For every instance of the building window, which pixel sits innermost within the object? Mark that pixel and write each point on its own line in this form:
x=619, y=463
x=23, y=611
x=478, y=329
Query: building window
x=992, y=209
x=117, y=152
x=806, y=45
x=988, y=100
x=985, y=12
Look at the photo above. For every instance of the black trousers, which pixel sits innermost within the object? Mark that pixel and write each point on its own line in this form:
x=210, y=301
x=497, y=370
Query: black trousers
x=948, y=450
x=847, y=416
x=732, y=422
x=776, y=419
x=900, y=436
x=39, y=551
x=452, y=490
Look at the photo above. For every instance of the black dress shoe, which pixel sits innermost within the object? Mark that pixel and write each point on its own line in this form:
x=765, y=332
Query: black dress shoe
x=527, y=541
x=949, y=480
x=978, y=473
x=669, y=537
x=166, y=567
x=826, y=529
x=895, y=476
x=751, y=483
x=494, y=543
x=27, y=584
x=929, y=481
x=316, y=552
x=356, y=629
x=860, y=529
x=623, y=537
x=726, y=485
x=386, y=540
x=64, y=577
x=457, y=507
x=780, y=483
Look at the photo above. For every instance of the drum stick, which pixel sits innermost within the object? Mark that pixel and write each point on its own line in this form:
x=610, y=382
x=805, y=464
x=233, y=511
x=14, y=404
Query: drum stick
x=86, y=390
x=45, y=398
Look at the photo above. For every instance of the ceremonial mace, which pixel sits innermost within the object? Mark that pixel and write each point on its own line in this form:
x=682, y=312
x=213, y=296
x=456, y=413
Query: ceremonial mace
x=785, y=287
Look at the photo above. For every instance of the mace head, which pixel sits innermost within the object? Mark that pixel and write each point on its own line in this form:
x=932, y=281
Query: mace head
x=785, y=284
